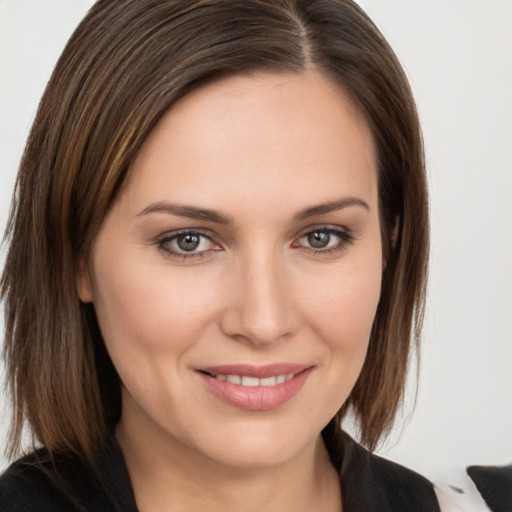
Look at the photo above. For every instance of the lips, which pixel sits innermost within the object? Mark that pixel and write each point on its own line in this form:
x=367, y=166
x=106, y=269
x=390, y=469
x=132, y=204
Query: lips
x=255, y=388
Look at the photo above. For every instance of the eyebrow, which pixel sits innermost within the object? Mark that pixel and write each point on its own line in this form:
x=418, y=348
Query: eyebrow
x=331, y=207
x=187, y=211
x=206, y=214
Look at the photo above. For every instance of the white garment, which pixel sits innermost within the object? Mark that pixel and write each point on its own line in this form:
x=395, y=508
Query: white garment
x=463, y=497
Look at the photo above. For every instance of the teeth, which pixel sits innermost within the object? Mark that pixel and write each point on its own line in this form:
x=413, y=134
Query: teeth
x=244, y=380
x=250, y=381
x=268, y=381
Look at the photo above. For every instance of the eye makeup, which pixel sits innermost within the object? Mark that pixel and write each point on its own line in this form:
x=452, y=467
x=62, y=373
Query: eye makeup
x=185, y=244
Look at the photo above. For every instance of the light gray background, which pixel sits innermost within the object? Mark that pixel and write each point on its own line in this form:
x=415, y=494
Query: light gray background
x=458, y=55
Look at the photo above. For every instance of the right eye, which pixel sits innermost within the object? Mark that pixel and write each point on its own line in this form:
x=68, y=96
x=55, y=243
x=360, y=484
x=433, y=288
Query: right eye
x=187, y=244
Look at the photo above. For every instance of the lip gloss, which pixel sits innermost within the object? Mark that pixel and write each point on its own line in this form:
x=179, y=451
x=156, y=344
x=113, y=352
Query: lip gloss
x=255, y=397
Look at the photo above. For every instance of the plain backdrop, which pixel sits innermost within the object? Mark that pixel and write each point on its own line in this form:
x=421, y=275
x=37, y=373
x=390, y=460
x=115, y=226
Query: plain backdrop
x=458, y=56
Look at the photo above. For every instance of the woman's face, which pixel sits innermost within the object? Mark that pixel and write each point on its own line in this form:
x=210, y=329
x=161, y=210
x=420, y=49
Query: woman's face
x=237, y=275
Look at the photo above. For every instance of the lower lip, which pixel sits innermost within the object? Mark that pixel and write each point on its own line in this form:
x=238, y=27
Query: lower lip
x=256, y=398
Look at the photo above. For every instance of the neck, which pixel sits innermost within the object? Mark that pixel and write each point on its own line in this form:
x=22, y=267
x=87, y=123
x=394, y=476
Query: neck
x=168, y=475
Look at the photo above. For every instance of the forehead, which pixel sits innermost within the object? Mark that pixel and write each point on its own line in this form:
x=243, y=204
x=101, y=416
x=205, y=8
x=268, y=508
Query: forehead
x=246, y=134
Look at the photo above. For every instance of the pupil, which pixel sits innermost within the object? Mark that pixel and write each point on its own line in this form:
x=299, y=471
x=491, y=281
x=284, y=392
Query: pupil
x=188, y=242
x=318, y=239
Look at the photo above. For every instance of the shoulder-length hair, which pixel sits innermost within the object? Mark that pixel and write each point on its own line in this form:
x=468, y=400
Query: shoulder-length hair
x=125, y=65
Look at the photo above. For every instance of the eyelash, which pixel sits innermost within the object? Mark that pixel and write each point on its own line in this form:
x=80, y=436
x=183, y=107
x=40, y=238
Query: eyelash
x=345, y=238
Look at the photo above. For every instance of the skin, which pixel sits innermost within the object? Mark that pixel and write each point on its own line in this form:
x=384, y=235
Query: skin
x=260, y=150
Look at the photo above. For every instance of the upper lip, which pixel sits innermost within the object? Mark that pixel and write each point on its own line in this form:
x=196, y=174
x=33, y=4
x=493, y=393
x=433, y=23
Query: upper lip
x=257, y=371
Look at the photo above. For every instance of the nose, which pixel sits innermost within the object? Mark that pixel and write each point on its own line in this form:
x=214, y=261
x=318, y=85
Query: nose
x=260, y=302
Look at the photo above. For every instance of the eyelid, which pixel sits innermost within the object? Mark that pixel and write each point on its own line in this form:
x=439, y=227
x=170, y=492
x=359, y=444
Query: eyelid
x=333, y=228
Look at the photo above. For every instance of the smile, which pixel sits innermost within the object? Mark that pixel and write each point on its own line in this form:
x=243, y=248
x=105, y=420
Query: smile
x=255, y=388
x=246, y=380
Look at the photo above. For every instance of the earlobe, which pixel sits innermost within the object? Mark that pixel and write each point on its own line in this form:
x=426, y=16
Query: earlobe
x=83, y=283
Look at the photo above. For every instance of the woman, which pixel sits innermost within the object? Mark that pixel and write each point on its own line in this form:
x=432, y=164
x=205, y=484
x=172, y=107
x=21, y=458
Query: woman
x=217, y=250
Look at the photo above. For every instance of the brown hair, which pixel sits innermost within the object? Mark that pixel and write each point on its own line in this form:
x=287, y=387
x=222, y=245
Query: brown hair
x=125, y=65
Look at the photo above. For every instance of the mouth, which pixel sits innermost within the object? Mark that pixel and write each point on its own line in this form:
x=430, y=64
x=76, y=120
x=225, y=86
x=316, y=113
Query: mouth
x=255, y=388
x=248, y=381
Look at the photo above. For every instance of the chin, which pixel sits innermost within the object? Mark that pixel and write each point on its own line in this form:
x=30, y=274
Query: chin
x=258, y=448
x=255, y=457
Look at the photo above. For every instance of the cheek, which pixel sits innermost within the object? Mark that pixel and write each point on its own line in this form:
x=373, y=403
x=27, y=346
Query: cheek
x=146, y=308
x=342, y=307
x=341, y=310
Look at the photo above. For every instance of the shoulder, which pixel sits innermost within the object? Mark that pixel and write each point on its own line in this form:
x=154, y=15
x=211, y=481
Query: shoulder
x=478, y=489
x=372, y=483
x=40, y=483
x=494, y=484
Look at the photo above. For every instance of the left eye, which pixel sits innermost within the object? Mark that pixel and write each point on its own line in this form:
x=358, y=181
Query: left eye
x=325, y=239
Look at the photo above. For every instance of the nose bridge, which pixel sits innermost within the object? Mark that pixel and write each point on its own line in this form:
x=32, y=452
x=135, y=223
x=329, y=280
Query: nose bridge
x=262, y=309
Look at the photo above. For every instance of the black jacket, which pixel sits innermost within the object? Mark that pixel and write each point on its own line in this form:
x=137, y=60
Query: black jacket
x=34, y=484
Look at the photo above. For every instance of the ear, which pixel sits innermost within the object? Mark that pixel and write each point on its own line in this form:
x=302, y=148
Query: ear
x=83, y=283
